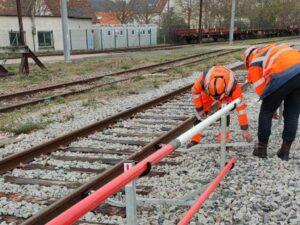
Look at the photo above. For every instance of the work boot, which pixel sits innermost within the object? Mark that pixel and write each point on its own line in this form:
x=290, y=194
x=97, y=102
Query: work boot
x=191, y=144
x=284, y=151
x=260, y=149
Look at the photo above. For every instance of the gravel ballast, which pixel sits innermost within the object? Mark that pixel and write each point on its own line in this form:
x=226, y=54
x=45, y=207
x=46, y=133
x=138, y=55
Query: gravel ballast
x=255, y=192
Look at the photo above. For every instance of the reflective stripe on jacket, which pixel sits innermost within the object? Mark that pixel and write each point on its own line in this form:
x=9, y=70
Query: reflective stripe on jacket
x=272, y=66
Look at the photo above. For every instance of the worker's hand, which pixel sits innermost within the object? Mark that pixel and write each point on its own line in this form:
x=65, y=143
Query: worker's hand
x=275, y=116
x=247, y=136
x=202, y=114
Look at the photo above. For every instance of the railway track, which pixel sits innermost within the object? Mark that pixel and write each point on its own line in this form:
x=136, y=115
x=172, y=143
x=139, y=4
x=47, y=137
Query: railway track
x=13, y=101
x=21, y=99
x=41, y=182
x=119, y=50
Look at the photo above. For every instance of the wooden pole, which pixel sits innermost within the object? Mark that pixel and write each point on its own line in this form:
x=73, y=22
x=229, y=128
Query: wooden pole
x=24, y=66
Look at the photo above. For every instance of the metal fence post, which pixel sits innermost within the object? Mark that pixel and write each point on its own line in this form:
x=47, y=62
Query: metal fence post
x=130, y=197
x=223, y=140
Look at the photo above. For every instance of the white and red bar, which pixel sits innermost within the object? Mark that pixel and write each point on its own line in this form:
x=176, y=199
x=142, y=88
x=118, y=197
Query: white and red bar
x=205, y=195
x=72, y=214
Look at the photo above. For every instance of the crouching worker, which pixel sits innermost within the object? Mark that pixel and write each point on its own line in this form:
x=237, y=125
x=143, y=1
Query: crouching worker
x=218, y=84
x=274, y=71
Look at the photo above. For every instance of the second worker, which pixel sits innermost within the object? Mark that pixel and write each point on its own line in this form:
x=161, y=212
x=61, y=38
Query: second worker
x=218, y=84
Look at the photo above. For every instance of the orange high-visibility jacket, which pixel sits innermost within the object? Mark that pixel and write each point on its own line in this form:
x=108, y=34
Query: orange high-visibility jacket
x=203, y=101
x=272, y=66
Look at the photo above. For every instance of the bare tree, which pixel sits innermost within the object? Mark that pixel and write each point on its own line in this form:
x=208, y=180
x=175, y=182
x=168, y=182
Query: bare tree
x=143, y=11
x=249, y=13
x=186, y=8
x=40, y=8
x=122, y=11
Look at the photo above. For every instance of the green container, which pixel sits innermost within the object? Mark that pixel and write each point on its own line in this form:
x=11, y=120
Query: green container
x=47, y=99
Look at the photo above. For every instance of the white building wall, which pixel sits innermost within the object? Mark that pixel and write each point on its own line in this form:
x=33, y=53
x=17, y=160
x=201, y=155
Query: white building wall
x=131, y=36
x=144, y=36
x=99, y=36
x=46, y=24
x=121, y=36
x=97, y=39
x=153, y=35
x=108, y=37
x=10, y=23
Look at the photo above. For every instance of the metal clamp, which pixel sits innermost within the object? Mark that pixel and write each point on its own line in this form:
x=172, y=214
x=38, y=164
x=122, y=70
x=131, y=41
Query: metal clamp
x=233, y=164
x=85, y=194
x=235, y=105
x=147, y=171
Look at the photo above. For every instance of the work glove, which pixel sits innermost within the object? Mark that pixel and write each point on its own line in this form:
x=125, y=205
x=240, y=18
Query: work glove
x=202, y=115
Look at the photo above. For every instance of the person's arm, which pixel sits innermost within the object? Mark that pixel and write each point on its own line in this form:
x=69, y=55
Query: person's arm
x=256, y=78
x=242, y=114
x=197, y=98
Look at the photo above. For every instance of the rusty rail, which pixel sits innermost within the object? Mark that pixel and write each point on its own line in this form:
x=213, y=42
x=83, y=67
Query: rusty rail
x=92, y=79
x=40, y=100
x=61, y=205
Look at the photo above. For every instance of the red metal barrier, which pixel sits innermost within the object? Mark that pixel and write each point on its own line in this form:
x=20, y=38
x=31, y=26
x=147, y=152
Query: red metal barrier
x=78, y=210
x=81, y=208
x=205, y=195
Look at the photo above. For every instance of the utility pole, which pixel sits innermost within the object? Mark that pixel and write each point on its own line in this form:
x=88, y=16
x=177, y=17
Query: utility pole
x=168, y=22
x=65, y=28
x=200, y=21
x=233, y=4
x=24, y=66
x=189, y=8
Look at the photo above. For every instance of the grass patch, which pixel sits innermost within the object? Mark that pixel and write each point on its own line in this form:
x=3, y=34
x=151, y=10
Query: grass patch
x=89, y=102
x=111, y=87
x=25, y=127
x=138, y=78
x=125, y=67
x=60, y=100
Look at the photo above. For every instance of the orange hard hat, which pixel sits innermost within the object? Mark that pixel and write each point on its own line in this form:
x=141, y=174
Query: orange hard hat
x=247, y=55
x=217, y=87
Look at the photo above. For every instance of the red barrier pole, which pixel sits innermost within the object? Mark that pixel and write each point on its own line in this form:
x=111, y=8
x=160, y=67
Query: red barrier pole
x=81, y=208
x=78, y=210
x=205, y=195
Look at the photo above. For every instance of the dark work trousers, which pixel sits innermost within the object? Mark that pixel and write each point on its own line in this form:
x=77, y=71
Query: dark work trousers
x=290, y=94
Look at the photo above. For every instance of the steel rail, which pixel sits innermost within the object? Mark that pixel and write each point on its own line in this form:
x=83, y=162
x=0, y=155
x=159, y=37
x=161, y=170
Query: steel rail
x=12, y=161
x=90, y=52
x=77, y=195
x=40, y=100
x=88, y=80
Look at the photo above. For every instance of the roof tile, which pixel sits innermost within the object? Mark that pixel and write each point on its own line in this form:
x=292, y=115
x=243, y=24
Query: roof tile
x=76, y=8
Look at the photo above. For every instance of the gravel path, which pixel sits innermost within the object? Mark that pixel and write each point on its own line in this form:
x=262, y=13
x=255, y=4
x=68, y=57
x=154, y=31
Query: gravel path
x=265, y=192
x=256, y=191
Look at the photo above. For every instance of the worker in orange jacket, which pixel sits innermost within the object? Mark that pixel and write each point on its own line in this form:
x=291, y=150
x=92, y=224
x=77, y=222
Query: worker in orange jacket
x=218, y=84
x=274, y=71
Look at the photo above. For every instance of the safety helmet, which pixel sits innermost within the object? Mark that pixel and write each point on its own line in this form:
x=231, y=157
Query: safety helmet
x=247, y=55
x=217, y=87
